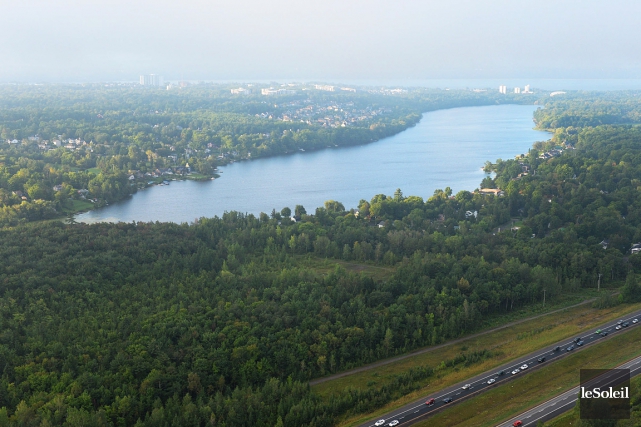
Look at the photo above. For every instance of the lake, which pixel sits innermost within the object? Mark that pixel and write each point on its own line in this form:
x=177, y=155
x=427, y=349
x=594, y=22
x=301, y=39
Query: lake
x=446, y=148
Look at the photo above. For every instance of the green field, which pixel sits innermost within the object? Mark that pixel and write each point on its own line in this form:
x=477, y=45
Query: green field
x=94, y=171
x=508, y=400
x=78, y=206
x=507, y=344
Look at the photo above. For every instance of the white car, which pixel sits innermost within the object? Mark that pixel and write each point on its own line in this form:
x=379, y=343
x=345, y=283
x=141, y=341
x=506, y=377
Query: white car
x=525, y=366
x=491, y=381
x=635, y=320
x=466, y=386
x=393, y=423
x=618, y=327
x=516, y=371
x=379, y=423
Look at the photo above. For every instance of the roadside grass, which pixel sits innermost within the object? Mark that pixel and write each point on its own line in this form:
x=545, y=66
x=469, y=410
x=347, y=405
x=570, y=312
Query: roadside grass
x=505, y=401
x=507, y=344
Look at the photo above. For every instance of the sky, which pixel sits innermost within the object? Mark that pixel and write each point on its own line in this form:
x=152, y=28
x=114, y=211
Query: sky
x=117, y=40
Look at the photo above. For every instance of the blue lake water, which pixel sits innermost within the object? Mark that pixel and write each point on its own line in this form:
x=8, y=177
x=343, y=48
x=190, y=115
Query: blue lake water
x=446, y=148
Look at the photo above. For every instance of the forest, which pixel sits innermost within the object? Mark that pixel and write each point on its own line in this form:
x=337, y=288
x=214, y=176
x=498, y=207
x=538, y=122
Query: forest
x=223, y=322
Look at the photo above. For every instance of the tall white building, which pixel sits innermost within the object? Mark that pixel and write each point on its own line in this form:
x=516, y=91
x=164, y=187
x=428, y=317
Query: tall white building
x=503, y=89
x=527, y=89
x=152, y=80
x=517, y=90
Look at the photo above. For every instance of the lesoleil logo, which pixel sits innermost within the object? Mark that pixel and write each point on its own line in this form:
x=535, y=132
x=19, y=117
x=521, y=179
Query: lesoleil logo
x=597, y=393
x=604, y=394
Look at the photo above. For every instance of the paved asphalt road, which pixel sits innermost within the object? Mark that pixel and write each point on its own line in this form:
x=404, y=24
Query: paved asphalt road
x=419, y=410
x=563, y=402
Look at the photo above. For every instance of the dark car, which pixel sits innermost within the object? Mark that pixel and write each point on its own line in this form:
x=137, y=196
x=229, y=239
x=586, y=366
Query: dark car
x=557, y=348
x=541, y=359
x=447, y=400
x=625, y=325
x=570, y=348
x=604, y=333
x=501, y=373
x=579, y=343
x=577, y=339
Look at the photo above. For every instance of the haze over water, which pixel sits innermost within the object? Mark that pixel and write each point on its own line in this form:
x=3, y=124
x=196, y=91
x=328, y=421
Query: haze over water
x=446, y=148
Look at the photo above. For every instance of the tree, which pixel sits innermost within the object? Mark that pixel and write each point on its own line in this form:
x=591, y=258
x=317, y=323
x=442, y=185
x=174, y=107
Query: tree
x=334, y=206
x=631, y=291
x=299, y=211
x=286, y=212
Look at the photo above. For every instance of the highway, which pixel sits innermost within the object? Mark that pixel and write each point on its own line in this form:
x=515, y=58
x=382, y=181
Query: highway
x=563, y=402
x=419, y=410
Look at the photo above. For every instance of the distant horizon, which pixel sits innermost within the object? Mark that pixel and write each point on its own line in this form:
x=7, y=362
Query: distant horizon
x=589, y=84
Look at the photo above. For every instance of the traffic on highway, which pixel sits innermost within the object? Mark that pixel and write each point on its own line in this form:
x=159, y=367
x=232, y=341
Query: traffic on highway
x=421, y=409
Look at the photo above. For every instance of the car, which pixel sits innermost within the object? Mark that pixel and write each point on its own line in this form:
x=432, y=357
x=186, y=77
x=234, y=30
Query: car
x=429, y=402
x=570, y=348
x=619, y=322
x=491, y=381
x=524, y=366
x=604, y=333
x=466, y=386
x=447, y=400
x=501, y=373
x=379, y=423
x=618, y=327
x=598, y=331
x=557, y=348
x=393, y=423
x=577, y=339
x=517, y=423
x=516, y=371
x=580, y=343
x=541, y=359
x=625, y=325
x=635, y=320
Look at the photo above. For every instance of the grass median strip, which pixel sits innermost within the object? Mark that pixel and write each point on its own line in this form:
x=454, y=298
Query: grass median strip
x=505, y=345
x=517, y=396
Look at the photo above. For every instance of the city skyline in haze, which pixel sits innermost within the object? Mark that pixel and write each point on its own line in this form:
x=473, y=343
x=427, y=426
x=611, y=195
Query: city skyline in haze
x=116, y=40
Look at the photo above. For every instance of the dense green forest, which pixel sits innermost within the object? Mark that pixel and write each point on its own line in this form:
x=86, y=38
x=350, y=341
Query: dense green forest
x=71, y=147
x=223, y=322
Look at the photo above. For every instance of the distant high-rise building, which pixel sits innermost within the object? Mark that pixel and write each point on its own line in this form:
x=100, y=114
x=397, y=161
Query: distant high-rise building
x=517, y=90
x=503, y=89
x=152, y=80
x=527, y=89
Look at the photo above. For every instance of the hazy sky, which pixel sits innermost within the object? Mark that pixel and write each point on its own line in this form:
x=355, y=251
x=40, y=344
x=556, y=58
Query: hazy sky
x=91, y=40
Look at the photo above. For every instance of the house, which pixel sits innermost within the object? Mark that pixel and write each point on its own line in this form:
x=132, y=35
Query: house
x=636, y=248
x=131, y=177
x=494, y=191
x=381, y=224
x=604, y=243
x=57, y=187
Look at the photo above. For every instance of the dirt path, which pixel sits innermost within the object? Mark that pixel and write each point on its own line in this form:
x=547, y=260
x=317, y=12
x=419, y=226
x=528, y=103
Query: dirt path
x=432, y=348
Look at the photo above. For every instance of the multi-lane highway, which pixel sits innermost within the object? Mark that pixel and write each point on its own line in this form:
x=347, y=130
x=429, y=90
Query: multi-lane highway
x=562, y=403
x=419, y=410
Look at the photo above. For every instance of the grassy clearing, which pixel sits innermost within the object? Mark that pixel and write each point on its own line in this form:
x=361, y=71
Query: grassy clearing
x=94, y=170
x=507, y=344
x=325, y=266
x=501, y=403
x=78, y=206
